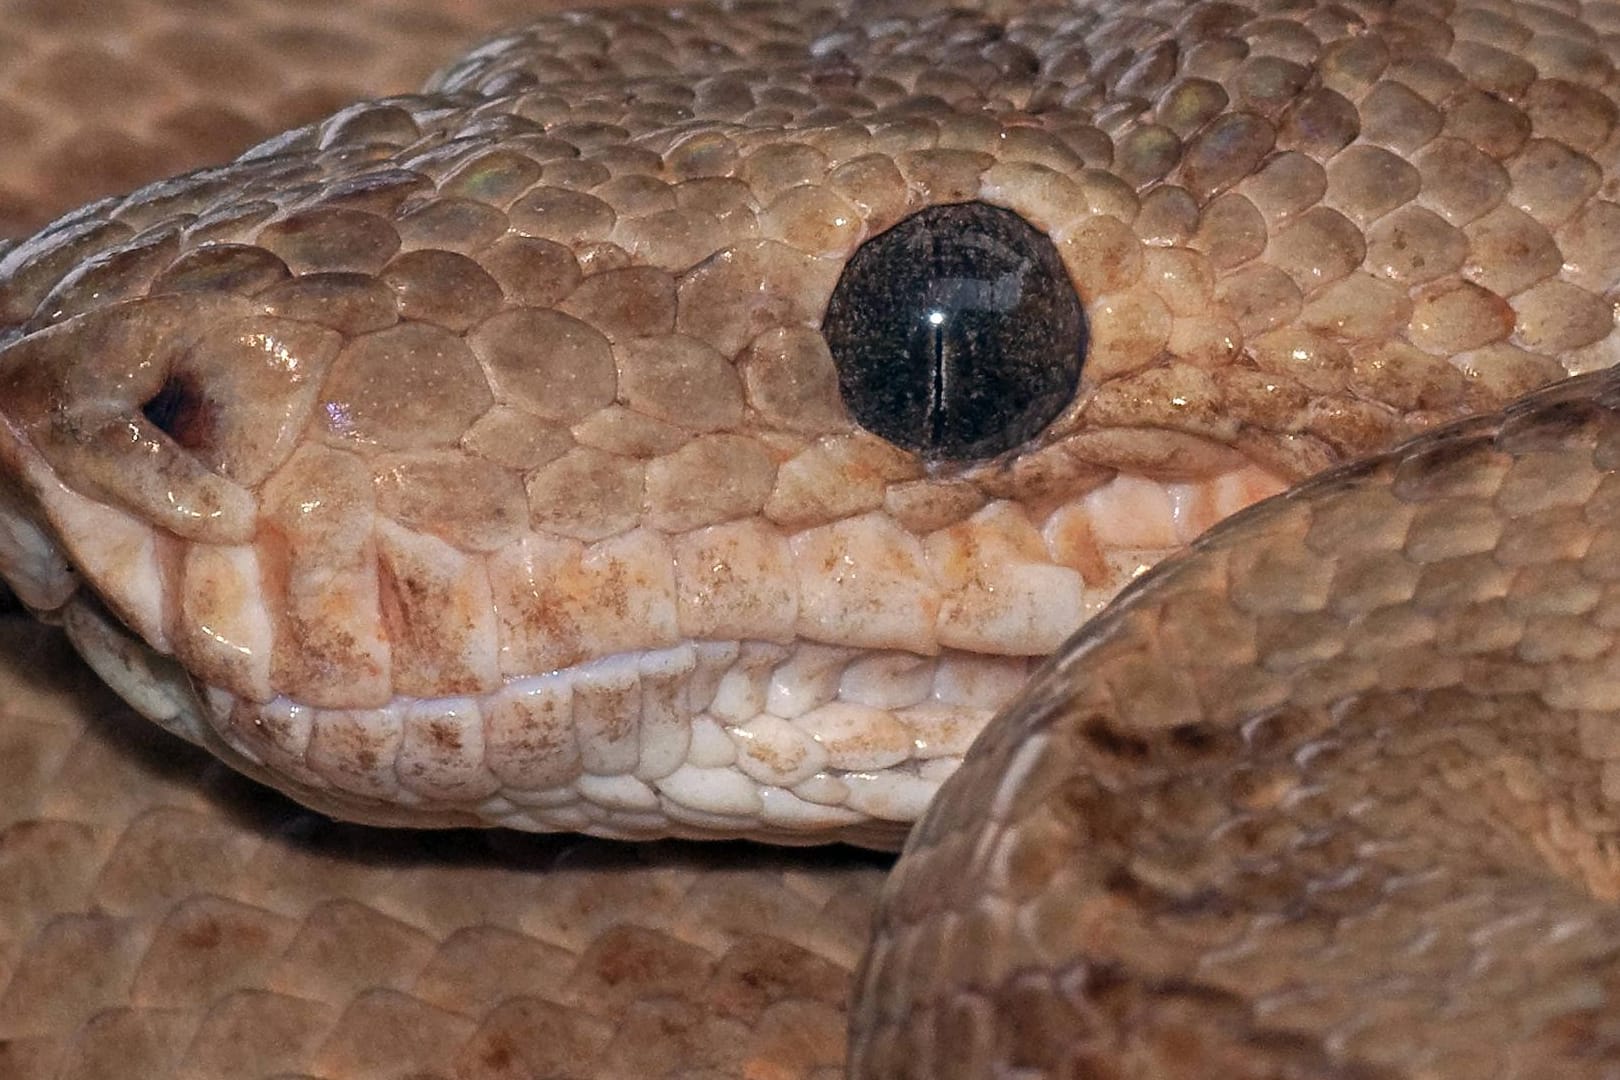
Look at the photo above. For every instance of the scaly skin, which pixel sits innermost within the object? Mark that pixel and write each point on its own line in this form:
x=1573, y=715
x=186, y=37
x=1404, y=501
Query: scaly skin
x=375, y=515
x=1331, y=794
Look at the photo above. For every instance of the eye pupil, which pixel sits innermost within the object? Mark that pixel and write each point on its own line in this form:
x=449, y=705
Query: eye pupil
x=957, y=333
x=181, y=412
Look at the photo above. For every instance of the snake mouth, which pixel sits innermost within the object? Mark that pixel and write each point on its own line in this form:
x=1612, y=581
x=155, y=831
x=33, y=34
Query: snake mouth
x=787, y=742
x=32, y=564
x=790, y=740
x=798, y=743
x=36, y=566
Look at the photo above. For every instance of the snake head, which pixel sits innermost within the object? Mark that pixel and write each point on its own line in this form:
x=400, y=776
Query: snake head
x=386, y=504
x=574, y=445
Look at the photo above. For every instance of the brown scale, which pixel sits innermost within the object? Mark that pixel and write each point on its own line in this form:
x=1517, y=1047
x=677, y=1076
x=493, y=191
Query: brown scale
x=1374, y=711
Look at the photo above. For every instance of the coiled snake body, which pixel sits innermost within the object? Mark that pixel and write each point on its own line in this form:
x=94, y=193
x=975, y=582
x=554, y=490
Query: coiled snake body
x=479, y=457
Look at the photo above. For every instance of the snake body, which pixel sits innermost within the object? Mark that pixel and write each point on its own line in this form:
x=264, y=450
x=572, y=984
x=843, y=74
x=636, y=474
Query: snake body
x=474, y=457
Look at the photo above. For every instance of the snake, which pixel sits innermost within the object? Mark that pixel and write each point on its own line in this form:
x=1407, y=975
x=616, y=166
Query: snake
x=704, y=423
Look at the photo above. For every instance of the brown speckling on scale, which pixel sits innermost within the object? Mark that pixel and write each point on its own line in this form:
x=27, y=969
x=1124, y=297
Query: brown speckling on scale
x=488, y=456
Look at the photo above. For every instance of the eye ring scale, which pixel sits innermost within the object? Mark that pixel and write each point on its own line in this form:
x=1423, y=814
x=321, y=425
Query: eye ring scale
x=957, y=333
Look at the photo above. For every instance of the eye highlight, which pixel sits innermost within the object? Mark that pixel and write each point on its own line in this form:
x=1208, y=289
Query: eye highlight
x=957, y=333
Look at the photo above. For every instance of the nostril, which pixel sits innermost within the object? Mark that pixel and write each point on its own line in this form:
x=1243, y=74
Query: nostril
x=182, y=412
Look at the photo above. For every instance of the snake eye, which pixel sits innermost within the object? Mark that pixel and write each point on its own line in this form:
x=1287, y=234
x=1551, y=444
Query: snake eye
x=957, y=333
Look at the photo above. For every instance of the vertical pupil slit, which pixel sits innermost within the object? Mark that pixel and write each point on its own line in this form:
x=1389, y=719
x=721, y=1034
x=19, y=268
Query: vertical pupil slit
x=937, y=412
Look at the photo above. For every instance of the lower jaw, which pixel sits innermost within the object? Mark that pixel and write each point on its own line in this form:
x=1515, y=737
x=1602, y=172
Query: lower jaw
x=802, y=744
